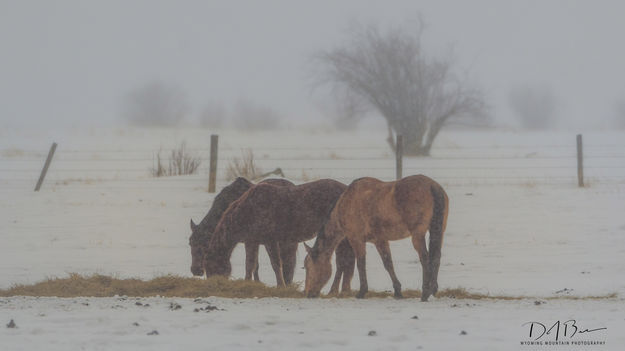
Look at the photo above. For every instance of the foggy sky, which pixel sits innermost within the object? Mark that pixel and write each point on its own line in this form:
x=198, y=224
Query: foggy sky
x=72, y=62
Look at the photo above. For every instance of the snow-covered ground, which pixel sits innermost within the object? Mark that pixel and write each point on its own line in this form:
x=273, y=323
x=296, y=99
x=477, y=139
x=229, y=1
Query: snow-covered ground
x=518, y=225
x=296, y=324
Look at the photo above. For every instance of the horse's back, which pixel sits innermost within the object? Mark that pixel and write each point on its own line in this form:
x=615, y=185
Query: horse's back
x=310, y=203
x=327, y=186
x=318, y=196
x=287, y=212
x=417, y=197
x=390, y=209
x=277, y=182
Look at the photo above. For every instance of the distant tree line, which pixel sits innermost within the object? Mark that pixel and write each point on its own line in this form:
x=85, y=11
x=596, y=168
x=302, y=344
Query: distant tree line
x=533, y=106
x=158, y=104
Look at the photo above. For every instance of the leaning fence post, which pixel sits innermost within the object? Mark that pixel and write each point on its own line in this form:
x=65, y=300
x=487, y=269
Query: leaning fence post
x=580, y=162
x=399, y=153
x=212, y=172
x=45, y=167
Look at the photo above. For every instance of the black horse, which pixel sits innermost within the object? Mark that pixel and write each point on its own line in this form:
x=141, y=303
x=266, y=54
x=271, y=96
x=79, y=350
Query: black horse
x=201, y=233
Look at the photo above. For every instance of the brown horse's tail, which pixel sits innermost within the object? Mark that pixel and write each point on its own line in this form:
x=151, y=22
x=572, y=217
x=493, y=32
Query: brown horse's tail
x=437, y=229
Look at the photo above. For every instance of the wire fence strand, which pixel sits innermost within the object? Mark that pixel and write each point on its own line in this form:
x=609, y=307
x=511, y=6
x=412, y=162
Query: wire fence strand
x=481, y=164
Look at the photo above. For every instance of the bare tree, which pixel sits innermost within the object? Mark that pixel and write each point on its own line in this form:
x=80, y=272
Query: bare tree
x=212, y=115
x=155, y=104
x=249, y=115
x=534, y=107
x=416, y=94
x=344, y=108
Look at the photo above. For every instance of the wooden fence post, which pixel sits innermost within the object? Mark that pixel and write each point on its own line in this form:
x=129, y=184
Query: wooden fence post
x=212, y=173
x=399, y=153
x=42, y=176
x=580, y=162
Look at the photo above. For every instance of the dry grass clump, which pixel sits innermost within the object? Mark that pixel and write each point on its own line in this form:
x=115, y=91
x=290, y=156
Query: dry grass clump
x=530, y=184
x=167, y=286
x=97, y=285
x=87, y=181
x=181, y=162
x=456, y=293
x=591, y=297
x=308, y=177
x=243, y=167
x=12, y=152
x=334, y=156
x=463, y=294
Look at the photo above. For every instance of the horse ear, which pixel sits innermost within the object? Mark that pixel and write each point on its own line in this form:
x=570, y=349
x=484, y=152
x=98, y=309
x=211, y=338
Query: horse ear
x=193, y=226
x=308, y=248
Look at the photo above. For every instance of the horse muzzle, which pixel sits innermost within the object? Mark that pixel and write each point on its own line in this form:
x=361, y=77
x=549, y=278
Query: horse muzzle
x=197, y=271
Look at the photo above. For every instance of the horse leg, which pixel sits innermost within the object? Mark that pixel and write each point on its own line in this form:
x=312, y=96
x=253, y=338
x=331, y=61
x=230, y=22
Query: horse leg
x=385, y=252
x=418, y=241
x=340, y=267
x=251, y=260
x=435, y=258
x=256, y=276
x=360, y=251
x=348, y=271
x=288, y=255
x=345, y=256
x=273, y=249
x=334, y=290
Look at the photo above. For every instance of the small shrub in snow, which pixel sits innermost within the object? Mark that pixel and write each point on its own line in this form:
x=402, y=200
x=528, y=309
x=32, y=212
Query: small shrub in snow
x=245, y=167
x=181, y=162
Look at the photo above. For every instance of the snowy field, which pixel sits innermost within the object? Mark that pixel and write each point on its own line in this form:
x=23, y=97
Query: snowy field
x=518, y=225
x=299, y=324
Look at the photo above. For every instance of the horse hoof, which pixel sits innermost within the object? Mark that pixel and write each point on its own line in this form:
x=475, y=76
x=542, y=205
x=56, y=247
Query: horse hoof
x=361, y=295
x=398, y=295
x=312, y=295
x=433, y=288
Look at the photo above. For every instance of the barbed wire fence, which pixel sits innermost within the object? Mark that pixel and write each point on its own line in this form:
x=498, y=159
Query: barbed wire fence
x=525, y=165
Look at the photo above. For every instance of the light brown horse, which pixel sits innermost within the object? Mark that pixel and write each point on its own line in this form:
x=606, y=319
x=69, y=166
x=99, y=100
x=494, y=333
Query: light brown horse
x=278, y=217
x=374, y=211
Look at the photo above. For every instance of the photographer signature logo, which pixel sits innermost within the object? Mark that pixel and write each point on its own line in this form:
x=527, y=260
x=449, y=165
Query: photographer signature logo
x=561, y=333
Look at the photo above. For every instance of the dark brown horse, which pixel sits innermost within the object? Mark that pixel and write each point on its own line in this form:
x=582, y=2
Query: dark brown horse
x=374, y=211
x=201, y=233
x=277, y=217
